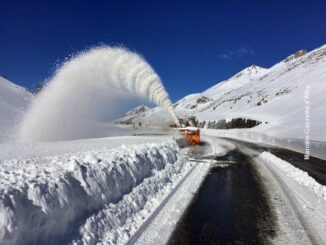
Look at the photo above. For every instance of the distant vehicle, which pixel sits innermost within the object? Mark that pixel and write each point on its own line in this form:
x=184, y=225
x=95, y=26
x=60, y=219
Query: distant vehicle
x=191, y=134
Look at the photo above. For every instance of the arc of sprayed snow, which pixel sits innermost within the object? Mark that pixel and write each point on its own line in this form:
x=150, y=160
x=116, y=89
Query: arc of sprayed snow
x=103, y=68
x=146, y=80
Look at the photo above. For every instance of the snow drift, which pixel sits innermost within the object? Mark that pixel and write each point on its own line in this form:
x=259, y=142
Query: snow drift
x=46, y=200
x=89, y=90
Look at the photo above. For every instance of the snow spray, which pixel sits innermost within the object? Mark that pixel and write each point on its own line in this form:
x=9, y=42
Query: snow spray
x=89, y=90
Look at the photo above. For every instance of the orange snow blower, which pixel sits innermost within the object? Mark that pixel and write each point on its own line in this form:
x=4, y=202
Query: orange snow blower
x=191, y=134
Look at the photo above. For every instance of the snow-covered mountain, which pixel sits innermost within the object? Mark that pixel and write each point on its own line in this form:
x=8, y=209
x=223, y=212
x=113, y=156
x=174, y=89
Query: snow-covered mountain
x=14, y=100
x=130, y=116
x=273, y=96
x=201, y=100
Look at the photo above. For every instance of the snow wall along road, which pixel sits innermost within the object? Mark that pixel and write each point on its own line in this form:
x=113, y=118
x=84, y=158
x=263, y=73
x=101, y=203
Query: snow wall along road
x=82, y=197
x=89, y=90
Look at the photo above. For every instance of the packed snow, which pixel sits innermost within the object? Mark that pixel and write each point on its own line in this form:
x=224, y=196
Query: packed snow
x=296, y=174
x=14, y=101
x=297, y=199
x=218, y=146
x=162, y=223
x=86, y=196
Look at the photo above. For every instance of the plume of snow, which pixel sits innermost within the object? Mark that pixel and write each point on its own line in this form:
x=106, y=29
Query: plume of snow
x=89, y=90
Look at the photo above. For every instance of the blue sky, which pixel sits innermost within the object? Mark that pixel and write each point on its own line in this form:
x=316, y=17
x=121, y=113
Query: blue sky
x=192, y=45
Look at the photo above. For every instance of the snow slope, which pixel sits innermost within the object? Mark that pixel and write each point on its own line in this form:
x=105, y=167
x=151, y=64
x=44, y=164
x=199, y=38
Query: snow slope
x=14, y=101
x=86, y=196
x=274, y=96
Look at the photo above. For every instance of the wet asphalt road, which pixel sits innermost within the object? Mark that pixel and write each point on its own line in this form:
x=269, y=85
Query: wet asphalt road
x=231, y=206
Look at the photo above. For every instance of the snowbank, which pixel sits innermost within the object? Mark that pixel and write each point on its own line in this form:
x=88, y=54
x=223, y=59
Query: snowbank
x=317, y=148
x=59, y=199
x=294, y=173
x=160, y=226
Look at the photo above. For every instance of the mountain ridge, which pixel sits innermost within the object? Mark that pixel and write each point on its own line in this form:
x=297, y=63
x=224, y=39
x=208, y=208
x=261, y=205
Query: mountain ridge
x=271, y=95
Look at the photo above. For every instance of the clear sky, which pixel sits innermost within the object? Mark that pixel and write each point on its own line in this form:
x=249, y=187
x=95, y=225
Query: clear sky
x=192, y=45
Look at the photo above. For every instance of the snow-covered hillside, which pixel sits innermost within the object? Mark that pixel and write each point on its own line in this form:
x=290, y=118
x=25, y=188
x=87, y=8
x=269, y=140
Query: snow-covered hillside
x=276, y=97
x=14, y=100
x=131, y=116
x=273, y=96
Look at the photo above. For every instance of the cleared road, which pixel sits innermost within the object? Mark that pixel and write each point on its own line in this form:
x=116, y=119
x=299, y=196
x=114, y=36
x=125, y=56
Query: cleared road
x=244, y=201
